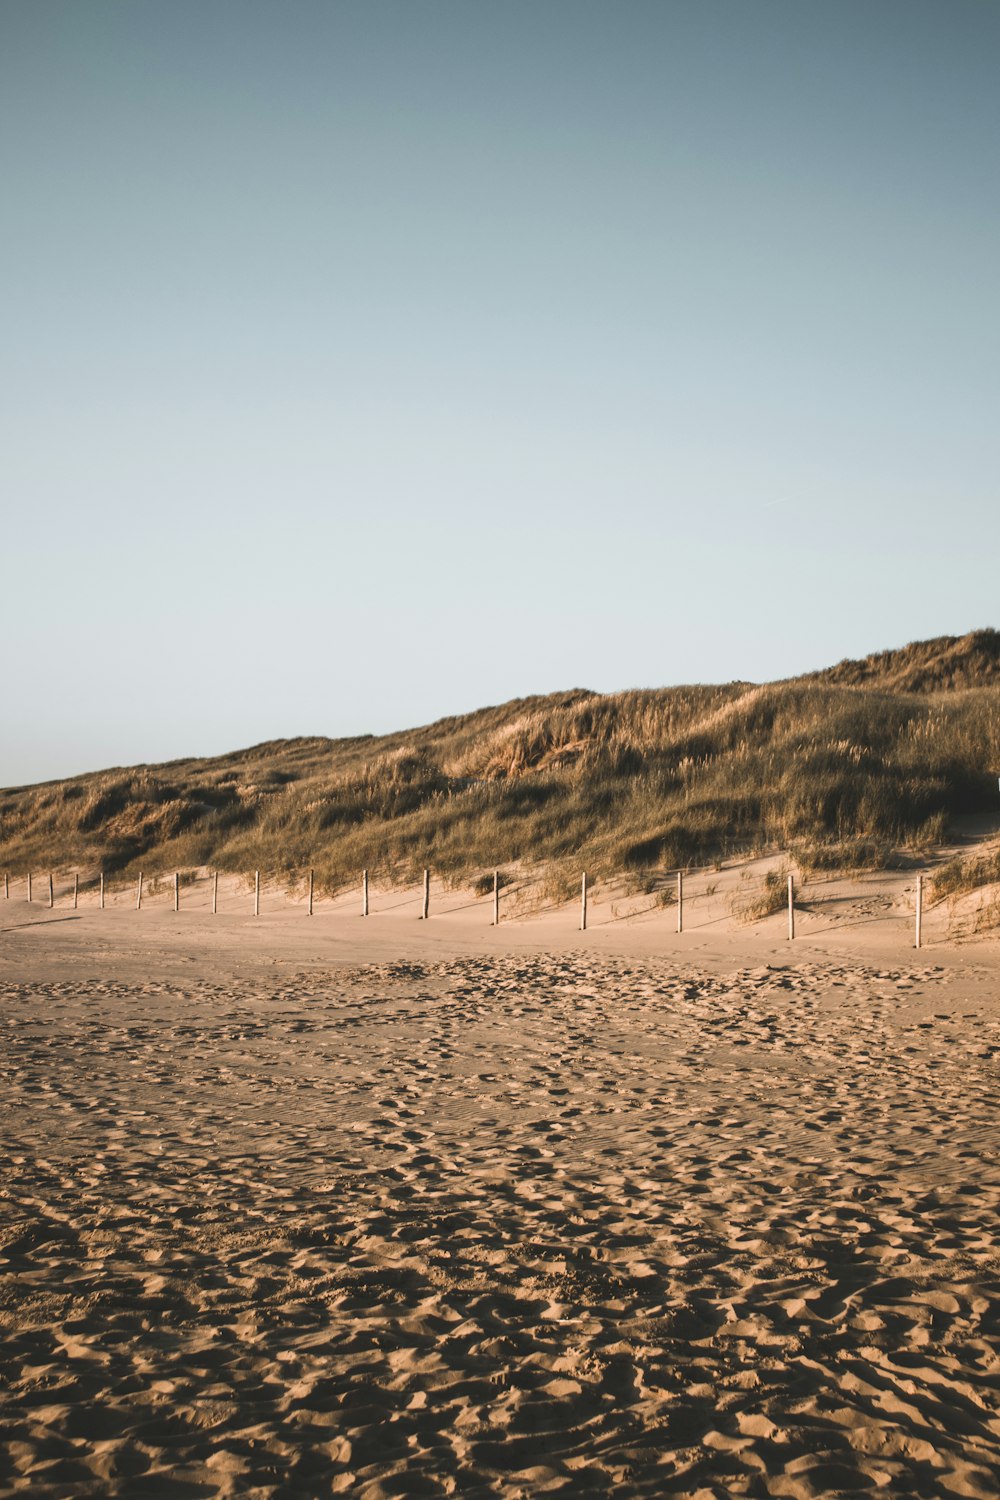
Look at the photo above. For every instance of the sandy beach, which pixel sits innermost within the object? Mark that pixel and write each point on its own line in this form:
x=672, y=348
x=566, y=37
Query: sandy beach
x=388, y=1208
x=500, y=750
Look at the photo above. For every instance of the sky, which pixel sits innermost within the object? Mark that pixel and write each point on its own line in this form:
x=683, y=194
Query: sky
x=363, y=363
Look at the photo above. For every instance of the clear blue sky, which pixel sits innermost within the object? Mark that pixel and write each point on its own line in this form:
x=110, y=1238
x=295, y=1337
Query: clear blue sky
x=363, y=363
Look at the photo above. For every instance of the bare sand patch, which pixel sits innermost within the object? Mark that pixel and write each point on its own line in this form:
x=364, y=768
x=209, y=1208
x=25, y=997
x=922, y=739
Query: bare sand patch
x=483, y=1220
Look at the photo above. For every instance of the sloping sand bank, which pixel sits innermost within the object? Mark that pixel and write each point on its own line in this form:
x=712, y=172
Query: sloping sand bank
x=497, y=1223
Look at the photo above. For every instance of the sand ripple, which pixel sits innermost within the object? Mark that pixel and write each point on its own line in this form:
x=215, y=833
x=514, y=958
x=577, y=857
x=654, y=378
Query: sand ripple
x=504, y=1226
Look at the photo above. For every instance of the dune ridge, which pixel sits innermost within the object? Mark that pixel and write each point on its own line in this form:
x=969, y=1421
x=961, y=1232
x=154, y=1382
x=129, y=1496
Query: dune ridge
x=852, y=764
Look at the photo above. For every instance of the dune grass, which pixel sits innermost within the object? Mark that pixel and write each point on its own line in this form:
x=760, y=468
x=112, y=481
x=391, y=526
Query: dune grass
x=846, y=770
x=967, y=876
x=760, y=898
x=961, y=876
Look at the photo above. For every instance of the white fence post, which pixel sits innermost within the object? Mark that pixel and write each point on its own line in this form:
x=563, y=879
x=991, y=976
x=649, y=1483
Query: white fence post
x=920, y=909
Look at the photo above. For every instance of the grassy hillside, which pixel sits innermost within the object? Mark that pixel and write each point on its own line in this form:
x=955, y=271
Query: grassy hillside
x=846, y=765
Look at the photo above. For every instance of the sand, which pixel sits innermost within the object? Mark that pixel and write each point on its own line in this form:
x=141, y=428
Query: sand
x=396, y=1208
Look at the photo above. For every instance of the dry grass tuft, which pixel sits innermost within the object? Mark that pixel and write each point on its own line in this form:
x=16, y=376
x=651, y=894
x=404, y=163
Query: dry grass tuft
x=960, y=876
x=844, y=856
x=987, y=918
x=483, y=884
x=757, y=899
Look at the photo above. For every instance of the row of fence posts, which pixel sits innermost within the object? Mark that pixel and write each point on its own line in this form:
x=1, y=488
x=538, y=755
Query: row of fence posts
x=425, y=901
x=52, y=893
x=918, y=934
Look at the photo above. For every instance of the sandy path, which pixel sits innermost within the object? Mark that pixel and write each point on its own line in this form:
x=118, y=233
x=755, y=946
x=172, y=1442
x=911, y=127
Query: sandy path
x=502, y=1224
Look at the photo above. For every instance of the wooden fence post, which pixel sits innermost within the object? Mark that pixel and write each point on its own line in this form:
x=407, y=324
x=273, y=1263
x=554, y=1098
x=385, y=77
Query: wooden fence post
x=583, y=903
x=920, y=909
x=256, y=893
x=425, y=912
x=364, y=893
x=680, y=900
x=215, y=894
x=52, y=898
x=791, y=910
x=76, y=890
x=496, y=898
x=138, y=894
x=6, y=885
x=102, y=890
x=29, y=887
x=310, y=892
x=177, y=891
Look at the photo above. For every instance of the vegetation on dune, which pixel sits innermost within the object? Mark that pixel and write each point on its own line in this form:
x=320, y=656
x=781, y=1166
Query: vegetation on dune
x=948, y=662
x=960, y=876
x=977, y=873
x=844, y=768
x=758, y=899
